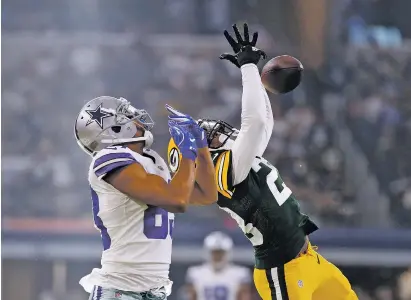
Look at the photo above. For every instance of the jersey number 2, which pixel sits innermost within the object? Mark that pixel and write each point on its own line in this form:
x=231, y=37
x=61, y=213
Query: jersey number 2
x=272, y=178
x=157, y=226
x=252, y=233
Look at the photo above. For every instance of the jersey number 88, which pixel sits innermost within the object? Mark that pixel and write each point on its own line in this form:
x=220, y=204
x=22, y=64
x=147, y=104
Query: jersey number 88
x=157, y=225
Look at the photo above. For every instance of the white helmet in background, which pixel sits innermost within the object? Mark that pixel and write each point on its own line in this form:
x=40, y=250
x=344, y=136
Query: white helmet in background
x=218, y=246
x=106, y=121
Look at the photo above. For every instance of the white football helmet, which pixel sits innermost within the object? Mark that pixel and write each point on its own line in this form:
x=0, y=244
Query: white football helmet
x=218, y=246
x=106, y=121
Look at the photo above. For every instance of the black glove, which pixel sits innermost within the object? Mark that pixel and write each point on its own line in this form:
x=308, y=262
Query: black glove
x=245, y=51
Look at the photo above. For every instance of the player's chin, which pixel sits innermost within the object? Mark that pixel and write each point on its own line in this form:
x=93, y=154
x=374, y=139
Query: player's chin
x=215, y=143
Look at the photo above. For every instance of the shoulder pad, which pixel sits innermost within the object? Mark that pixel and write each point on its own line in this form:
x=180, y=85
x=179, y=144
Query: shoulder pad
x=110, y=159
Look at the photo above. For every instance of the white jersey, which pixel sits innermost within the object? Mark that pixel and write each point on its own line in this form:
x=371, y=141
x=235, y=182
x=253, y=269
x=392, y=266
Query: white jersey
x=136, y=237
x=222, y=285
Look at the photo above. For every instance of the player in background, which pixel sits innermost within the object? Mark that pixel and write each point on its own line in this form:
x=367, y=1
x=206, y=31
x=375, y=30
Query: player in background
x=134, y=197
x=218, y=278
x=253, y=193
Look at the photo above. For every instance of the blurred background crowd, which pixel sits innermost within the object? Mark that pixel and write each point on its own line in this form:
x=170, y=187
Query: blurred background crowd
x=342, y=140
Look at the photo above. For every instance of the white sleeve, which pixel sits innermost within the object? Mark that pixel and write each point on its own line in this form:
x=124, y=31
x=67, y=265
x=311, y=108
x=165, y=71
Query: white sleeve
x=269, y=125
x=190, y=275
x=244, y=275
x=253, y=117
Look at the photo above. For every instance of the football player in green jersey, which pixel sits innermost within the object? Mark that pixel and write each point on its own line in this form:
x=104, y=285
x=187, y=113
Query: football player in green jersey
x=251, y=190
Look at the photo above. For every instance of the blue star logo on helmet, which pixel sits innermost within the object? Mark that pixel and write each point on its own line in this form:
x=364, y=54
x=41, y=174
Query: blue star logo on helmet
x=98, y=116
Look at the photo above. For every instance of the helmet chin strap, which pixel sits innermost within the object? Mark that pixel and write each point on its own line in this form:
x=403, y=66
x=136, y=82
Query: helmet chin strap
x=147, y=137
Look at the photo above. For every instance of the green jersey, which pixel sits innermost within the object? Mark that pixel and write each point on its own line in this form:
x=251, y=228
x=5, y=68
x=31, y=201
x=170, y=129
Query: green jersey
x=265, y=209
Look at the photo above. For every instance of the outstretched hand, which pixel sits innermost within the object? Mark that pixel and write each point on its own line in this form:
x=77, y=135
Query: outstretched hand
x=245, y=51
x=183, y=139
x=187, y=122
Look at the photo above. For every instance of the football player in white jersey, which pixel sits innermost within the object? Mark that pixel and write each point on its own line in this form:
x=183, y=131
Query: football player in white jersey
x=217, y=278
x=134, y=197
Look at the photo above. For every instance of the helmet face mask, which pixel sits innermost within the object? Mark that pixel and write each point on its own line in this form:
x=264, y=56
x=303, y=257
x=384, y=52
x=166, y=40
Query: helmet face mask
x=126, y=113
x=218, y=132
x=218, y=247
x=106, y=121
x=219, y=258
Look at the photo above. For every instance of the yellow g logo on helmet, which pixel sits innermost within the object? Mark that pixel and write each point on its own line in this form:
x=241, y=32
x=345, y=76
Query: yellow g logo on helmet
x=173, y=156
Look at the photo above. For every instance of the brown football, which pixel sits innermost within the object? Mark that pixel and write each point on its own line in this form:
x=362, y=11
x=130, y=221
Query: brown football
x=282, y=74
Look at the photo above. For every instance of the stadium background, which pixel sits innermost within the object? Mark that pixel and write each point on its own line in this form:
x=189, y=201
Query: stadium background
x=342, y=140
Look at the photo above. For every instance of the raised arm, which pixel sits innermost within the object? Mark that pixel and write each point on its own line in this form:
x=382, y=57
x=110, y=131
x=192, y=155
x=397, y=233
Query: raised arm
x=253, y=114
x=268, y=127
x=205, y=188
x=253, y=107
x=133, y=180
x=139, y=185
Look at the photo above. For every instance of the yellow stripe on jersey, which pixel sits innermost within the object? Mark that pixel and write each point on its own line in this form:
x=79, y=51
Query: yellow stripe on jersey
x=221, y=172
x=226, y=164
